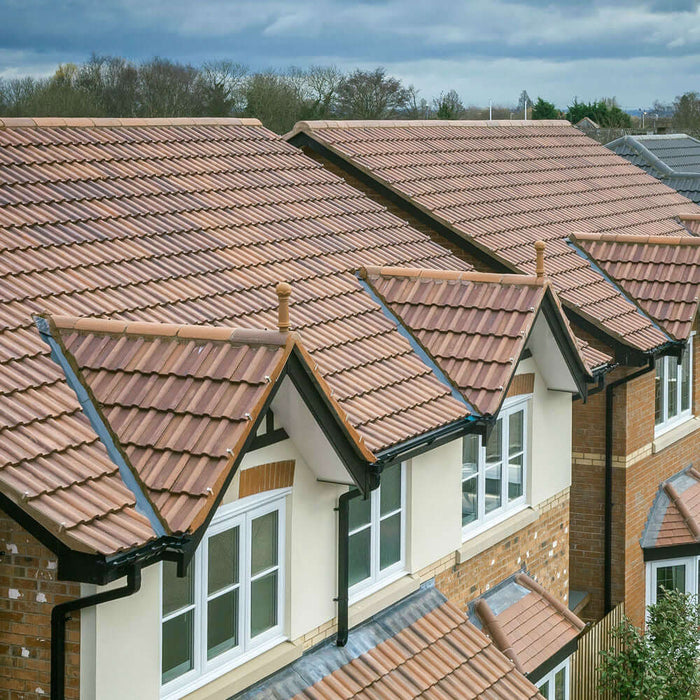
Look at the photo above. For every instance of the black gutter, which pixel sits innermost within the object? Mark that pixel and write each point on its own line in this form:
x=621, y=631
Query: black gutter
x=343, y=564
x=61, y=614
x=553, y=661
x=607, y=566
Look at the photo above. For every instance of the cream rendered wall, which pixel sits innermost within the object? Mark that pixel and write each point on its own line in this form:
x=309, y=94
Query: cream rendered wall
x=550, y=438
x=433, y=497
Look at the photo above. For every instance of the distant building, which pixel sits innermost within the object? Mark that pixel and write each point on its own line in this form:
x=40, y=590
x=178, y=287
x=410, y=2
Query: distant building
x=588, y=126
x=672, y=158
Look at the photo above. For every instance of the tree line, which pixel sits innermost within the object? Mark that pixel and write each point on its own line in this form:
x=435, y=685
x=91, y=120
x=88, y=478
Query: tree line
x=112, y=86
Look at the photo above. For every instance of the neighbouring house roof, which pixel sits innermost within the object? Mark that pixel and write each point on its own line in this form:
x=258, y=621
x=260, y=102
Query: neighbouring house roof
x=672, y=158
x=474, y=325
x=526, y=622
x=659, y=273
x=422, y=647
x=502, y=185
x=189, y=222
x=587, y=123
x=674, y=517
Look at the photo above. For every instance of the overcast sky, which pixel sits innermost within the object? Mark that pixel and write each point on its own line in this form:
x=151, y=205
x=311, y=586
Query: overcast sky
x=637, y=50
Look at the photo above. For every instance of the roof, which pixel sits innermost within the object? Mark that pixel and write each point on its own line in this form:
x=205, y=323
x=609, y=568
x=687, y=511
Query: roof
x=526, y=622
x=474, y=325
x=502, y=185
x=672, y=158
x=659, y=273
x=587, y=122
x=674, y=517
x=423, y=647
x=189, y=222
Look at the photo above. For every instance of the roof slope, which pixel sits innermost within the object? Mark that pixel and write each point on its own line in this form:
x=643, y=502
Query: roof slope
x=674, y=517
x=475, y=325
x=526, y=622
x=672, y=158
x=659, y=273
x=423, y=647
x=190, y=222
x=504, y=185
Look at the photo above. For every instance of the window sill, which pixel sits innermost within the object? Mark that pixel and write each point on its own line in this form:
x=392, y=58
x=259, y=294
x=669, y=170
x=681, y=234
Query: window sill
x=246, y=674
x=377, y=601
x=674, y=434
x=496, y=533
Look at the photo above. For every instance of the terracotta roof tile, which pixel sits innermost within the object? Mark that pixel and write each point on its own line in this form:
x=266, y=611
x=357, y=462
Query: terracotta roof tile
x=424, y=647
x=526, y=621
x=660, y=273
x=184, y=222
x=504, y=185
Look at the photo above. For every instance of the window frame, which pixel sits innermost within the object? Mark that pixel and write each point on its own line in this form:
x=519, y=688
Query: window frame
x=692, y=570
x=550, y=677
x=682, y=416
x=508, y=506
x=378, y=577
x=240, y=514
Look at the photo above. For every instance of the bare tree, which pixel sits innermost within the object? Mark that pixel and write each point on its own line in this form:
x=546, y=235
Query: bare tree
x=274, y=99
x=686, y=113
x=169, y=89
x=448, y=106
x=223, y=86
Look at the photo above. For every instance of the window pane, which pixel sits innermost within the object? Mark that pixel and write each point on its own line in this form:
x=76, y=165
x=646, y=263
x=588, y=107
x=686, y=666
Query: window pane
x=222, y=561
x=515, y=477
x=493, y=488
x=360, y=511
x=544, y=690
x=470, y=454
x=177, y=592
x=685, y=380
x=659, y=389
x=470, y=501
x=494, y=443
x=672, y=381
x=670, y=578
x=389, y=541
x=515, y=432
x=178, y=643
x=222, y=623
x=560, y=681
x=264, y=543
x=390, y=489
x=263, y=604
x=359, y=556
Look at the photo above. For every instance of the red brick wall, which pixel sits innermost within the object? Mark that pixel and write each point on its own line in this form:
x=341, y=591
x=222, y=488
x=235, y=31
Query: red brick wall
x=28, y=592
x=542, y=548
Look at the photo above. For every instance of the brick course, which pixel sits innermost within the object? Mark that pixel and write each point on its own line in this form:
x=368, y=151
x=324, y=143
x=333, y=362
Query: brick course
x=541, y=547
x=28, y=592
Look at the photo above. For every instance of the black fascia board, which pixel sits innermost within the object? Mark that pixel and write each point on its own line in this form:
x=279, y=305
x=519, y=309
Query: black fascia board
x=624, y=354
x=676, y=551
x=553, y=661
x=362, y=473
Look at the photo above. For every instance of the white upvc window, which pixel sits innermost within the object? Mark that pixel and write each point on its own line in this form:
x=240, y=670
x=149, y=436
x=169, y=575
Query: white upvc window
x=494, y=475
x=376, y=540
x=555, y=685
x=230, y=605
x=672, y=574
x=673, y=390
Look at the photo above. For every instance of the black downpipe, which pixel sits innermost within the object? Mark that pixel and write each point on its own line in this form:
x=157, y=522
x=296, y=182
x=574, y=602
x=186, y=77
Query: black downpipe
x=61, y=613
x=607, y=577
x=343, y=564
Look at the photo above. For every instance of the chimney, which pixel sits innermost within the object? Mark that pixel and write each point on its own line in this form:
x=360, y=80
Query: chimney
x=539, y=260
x=283, y=291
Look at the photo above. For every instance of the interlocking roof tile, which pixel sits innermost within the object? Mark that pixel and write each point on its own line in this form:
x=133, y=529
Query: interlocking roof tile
x=674, y=517
x=181, y=401
x=186, y=222
x=526, y=622
x=423, y=647
x=659, y=273
x=504, y=185
x=474, y=325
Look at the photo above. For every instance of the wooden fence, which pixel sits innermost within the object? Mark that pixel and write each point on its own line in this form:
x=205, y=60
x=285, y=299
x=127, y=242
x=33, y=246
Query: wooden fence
x=584, y=663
